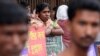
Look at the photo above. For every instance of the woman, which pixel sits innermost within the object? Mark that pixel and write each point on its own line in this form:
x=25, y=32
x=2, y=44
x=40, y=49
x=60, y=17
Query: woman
x=62, y=21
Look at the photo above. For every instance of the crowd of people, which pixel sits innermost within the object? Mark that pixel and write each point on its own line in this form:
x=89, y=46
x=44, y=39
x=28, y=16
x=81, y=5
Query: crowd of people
x=78, y=24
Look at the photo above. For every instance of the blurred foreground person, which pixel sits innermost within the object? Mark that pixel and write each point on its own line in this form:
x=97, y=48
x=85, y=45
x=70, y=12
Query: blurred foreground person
x=84, y=22
x=13, y=28
x=26, y=6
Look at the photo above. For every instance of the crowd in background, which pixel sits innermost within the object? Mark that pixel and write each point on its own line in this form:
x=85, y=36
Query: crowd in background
x=46, y=23
x=53, y=20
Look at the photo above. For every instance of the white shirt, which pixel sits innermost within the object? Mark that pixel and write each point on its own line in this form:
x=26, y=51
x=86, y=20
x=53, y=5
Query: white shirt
x=91, y=51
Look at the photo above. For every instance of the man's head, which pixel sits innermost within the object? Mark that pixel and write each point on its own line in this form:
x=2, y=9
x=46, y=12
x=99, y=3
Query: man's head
x=13, y=28
x=84, y=21
x=43, y=11
x=26, y=6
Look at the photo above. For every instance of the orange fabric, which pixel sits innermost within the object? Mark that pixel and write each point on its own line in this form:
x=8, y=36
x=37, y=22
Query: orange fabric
x=37, y=39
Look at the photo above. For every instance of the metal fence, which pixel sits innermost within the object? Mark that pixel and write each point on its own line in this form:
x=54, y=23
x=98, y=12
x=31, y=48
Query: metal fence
x=52, y=3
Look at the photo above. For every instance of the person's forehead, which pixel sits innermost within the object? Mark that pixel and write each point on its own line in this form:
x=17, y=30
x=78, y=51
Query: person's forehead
x=13, y=27
x=46, y=9
x=87, y=14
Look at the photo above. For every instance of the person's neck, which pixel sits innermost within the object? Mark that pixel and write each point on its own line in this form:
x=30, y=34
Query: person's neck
x=45, y=23
x=78, y=51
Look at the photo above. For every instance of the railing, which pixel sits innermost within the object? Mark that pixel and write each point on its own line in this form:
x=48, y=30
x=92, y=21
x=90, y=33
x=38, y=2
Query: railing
x=52, y=3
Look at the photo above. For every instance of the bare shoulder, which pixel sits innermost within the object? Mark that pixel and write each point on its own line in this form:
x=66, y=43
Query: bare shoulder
x=60, y=54
x=64, y=53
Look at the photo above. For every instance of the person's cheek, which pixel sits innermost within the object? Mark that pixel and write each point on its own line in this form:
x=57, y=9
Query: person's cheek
x=79, y=32
x=24, y=39
x=44, y=15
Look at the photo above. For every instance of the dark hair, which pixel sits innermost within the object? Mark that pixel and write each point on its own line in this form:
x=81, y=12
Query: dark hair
x=41, y=6
x=75, y=5
x=11, y=13
x=24, y=4
x=55, y=9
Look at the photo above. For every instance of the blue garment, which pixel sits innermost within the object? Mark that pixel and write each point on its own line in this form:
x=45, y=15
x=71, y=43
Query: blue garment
x=91, y=51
